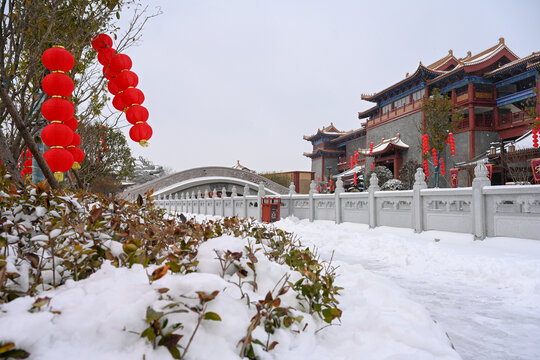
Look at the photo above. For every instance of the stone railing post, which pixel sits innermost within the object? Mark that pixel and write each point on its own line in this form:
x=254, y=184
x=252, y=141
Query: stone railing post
x=337, y=204
x=206, y=197
x=372, y=205
x=260, y=195
x=312, y=189
x=214, y=201
x=182, y=203
x=292, y=191
x=175, y=203
x=233, y=195
x=246, y=194
x=223, y=198
x=192, y=199
x=199, y=197
x=478, y=202
x=418, y=204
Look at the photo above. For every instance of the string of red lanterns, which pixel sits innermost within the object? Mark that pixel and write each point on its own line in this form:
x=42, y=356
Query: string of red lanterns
x=535, y=135
x=123, y=85
x=27, y=164
x=58, y=110
x=352, y=162
x=370, y=148
x=443, y=170
x=451, y=141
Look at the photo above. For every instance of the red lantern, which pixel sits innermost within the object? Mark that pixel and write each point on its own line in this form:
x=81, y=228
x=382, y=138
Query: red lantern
x=57, y=84
x=108, y=73
x=101, y=41
x=370, y=148
x=72, y=123
x=76, y=141
x=356, y=157
x=78, y=156
x=58, y=59
x=57, y=109
x=141, y=133
x=113, y=87
x=120, y=62
x=372, y=166
x=118, y=102
x=57, y=134
x=59, y=160
x=137, y=113
x=105, y=56
x=535, y=137
x=126, y=79
x=132, y=96
x=443, y=170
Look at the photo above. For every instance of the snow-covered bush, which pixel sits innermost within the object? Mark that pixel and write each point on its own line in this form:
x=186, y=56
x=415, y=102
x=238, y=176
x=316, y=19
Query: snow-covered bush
x=393, y=184
x=383, y=174
x=50, y=238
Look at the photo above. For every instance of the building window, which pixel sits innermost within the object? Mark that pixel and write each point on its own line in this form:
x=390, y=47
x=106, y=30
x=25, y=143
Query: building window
x=401, y=102
x=418, y=95
x=386, y=108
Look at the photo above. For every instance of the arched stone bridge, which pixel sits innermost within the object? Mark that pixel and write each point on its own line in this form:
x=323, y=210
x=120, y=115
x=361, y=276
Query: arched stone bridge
x=205, y=178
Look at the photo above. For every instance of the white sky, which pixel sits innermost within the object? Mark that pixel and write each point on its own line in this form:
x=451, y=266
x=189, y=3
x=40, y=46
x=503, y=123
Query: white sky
x=229, y=80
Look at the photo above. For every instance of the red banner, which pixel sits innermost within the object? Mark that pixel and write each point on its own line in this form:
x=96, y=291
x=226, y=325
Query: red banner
x=535, y=164
x=490, y=170
x=454, y=177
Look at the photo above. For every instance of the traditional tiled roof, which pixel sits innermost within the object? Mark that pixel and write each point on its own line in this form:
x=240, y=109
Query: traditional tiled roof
x=329, y=131
x=319, y=152
x=385, y=145
x=531, y=59
x=422, y=72
x=440, y=64
x=368, y=112
x=433, y=74
x=349, y=135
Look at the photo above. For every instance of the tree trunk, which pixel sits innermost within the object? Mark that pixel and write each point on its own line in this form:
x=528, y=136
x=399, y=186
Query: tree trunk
x=28, y=139
x=7, y=160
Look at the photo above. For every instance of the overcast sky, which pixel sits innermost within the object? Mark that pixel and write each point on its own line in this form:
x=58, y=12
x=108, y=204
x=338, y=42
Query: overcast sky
x=229, y=80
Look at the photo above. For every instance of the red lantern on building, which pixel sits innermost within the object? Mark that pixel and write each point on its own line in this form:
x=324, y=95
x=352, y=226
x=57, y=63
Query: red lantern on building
x=452, y=144
x=372, y=166
x=370, y=148
x=58, y=59
x=435, y=159
x=355, y=179
x=535, y=137
x=57, y=84
x=141, y=133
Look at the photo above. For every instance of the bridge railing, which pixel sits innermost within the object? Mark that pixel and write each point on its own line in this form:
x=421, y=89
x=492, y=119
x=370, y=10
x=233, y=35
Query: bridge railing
x=482, y=210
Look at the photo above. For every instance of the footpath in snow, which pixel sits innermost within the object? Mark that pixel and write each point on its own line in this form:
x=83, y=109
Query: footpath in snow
x=484, y=294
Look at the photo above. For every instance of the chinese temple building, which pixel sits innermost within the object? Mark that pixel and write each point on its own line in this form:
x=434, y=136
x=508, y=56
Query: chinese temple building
x=497, y=92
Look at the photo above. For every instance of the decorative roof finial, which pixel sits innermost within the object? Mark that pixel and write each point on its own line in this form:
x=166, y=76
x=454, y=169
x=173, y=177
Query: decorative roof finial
x=501, y=40
x=450, y=52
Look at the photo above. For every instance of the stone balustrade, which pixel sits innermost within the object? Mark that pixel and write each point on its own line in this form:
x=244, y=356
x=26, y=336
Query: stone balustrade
x=482, y=210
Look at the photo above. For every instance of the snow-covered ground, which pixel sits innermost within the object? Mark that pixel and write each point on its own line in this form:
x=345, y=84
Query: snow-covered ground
x=404, y=296
x=484, y=294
